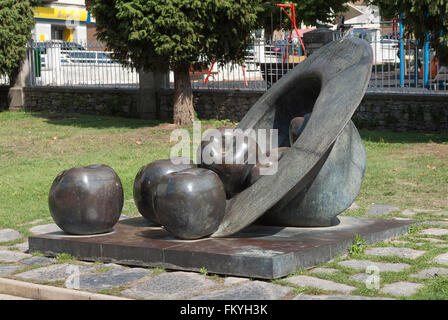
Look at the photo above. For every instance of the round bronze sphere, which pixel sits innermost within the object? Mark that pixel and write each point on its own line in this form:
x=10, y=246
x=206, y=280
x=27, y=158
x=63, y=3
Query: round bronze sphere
x=297, y=126
x=257, y=171
x=230, y=154
x=147, y=179
x=190, y=204
x=86, y=200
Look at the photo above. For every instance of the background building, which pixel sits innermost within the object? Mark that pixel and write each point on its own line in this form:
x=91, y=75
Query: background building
x=61, y=20
x=362, y=16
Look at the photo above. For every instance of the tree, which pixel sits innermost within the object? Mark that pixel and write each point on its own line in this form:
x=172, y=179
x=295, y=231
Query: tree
x=16, y=22
x=176, y=34
x=420, y=17
x=310, y=12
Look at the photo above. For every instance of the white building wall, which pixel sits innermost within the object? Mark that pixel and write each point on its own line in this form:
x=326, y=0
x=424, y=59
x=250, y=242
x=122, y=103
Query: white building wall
x=79, y=3
x=41, y=29
x=80, y=33
x=370, y=19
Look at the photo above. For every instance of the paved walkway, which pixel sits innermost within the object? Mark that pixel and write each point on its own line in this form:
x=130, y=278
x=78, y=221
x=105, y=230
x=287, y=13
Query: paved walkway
x=398, y=269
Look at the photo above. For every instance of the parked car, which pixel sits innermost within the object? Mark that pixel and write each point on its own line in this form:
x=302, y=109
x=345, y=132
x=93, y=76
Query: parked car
x=96, y=57
x=43, y=46
x=274, y=52
x=64, y=45
x=385, y=48
x=70, y=53
x=270, y=58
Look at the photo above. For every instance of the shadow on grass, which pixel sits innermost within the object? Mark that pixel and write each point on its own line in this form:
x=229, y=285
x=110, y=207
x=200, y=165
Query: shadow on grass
x=94, y=121
x=403, y=137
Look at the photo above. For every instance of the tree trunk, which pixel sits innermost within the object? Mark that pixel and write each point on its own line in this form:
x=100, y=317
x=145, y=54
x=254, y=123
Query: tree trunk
x=183, y=111
x=15, y=90
x=13, y=77
x=268, y=31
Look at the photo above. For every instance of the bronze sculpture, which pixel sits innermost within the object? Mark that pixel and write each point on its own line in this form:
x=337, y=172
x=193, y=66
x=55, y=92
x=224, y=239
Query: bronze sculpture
x=256, y=171
x=191, y=203
x=297, y=126
x=146, y=181
x=330, y=85
x=321, y=159
x=233, y=173
x=332, y=191
x=86, y=200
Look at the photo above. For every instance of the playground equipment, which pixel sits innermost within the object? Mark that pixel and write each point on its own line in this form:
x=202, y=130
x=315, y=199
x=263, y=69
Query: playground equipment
x=274, y=71
x=430, y=68
x=291, y=17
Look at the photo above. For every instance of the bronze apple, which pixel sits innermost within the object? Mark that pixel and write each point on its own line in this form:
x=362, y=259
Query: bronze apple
x=190, y=204
x=86, y=200
x=147, y=179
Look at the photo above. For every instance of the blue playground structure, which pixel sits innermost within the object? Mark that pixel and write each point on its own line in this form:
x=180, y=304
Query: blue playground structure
x=426, y=58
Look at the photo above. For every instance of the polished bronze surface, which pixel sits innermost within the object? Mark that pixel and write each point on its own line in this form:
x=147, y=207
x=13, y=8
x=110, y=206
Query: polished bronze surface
x=191, y=203
x=257, y=171
x=297, y=126
x=333, y=190
x=230, y=154
x=147, y=179
x=86, y=200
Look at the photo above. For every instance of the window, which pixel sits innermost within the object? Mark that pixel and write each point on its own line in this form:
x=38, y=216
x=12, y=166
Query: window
x=57, y=33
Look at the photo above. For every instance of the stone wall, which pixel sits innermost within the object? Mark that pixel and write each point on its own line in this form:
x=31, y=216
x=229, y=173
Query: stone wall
x=219, y=104
x=392, y=111
x=117, y=102
x=403, y=113
x=3, y=97
x=379, y=111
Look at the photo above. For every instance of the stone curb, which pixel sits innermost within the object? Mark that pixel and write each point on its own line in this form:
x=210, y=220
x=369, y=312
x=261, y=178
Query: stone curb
x=44, y=292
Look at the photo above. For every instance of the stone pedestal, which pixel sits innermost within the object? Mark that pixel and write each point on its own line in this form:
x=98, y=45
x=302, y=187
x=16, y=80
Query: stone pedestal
x=257, y=251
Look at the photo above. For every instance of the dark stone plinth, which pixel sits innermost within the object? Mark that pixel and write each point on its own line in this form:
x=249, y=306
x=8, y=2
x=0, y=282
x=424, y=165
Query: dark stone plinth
x=257, y=251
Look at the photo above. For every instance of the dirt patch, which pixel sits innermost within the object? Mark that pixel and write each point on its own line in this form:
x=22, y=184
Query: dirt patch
x=407, y=183
x=71, y=142
x=166, y=126
x=439, y=150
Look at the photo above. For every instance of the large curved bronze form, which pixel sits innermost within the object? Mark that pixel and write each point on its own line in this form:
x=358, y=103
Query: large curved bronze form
x=330, y=85
x=333, y=190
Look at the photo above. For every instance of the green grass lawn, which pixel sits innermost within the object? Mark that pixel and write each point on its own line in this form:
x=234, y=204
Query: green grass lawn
x=36, y=147
x=406, y=170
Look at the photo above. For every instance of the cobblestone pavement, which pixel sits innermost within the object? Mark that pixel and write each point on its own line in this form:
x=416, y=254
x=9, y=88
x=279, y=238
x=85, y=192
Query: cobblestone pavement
x=414, y=266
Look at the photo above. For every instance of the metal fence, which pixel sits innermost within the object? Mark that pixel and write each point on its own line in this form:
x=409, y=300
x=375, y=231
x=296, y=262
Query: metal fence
x=268, y=61
x=57, y=63
x=70, y=64
x=390, y=73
